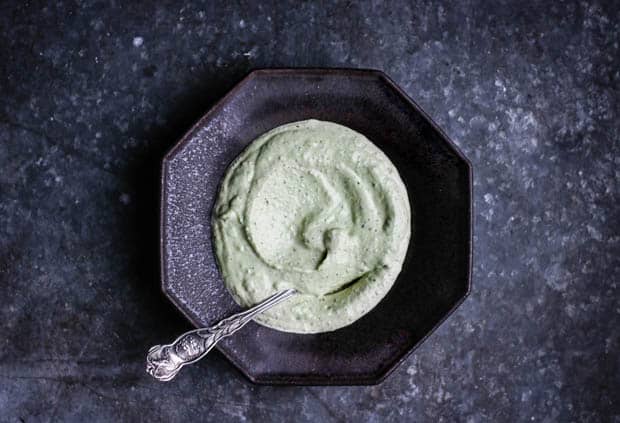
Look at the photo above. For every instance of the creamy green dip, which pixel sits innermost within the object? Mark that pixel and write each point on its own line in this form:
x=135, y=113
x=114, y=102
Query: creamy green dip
x=317, y=207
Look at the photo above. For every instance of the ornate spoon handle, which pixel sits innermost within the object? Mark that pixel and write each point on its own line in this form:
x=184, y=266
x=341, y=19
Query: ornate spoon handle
x=163, y=362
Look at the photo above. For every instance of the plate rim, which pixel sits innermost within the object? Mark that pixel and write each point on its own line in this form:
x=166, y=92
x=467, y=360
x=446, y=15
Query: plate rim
x=307, y=380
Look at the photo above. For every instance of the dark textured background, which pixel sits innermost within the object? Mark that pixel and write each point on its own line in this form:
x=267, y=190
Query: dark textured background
x=93, y=94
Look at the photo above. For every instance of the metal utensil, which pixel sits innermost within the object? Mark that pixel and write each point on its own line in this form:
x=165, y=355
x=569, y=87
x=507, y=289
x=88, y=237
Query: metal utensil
x=163, y=362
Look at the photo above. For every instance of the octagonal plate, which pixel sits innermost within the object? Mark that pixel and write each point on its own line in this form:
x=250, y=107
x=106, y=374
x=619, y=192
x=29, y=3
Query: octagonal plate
x=436, y=273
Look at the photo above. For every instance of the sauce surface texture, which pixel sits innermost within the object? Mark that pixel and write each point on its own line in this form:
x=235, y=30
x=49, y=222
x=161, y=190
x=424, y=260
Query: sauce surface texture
x=315, y=206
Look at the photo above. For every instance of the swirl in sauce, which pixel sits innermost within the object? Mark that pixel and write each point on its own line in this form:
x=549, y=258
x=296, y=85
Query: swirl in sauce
x=315, y=206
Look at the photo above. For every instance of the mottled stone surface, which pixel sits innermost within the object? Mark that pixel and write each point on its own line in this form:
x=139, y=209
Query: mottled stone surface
x=91, y=96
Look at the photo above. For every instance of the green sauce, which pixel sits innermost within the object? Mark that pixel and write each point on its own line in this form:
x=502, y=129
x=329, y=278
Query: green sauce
x=315, y=206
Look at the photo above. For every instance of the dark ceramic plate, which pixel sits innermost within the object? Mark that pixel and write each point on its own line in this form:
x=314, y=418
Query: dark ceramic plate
x=436, y=273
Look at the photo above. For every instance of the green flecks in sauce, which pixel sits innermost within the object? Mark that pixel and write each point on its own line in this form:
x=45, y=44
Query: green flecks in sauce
x=319, y=208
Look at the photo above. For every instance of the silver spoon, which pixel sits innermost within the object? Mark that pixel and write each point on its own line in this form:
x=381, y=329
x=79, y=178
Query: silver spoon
x=163, y=362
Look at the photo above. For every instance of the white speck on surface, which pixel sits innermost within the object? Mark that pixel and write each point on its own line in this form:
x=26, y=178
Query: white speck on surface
x=251, y=53
x=499, y=84
x=138, y=41
x=570, y=310
x=241, y=23
x=594, y=233
x=556, y=277
x=124, y=198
